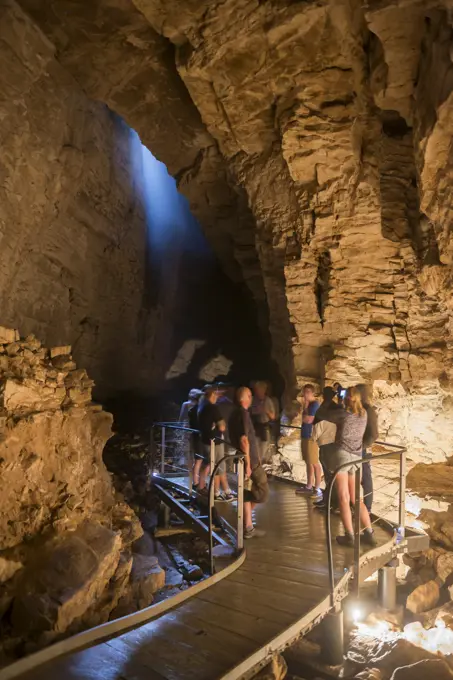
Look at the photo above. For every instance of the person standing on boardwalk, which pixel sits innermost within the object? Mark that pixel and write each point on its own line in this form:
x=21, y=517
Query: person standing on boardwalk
x=351, y=425
x=194, y=397
x=324, y=432
x=195, y=441
x=211, y=426
x=310, y=450
x=243, y=438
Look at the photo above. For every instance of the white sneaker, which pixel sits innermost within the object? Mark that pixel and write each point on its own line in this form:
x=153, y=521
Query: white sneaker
x=316, y=494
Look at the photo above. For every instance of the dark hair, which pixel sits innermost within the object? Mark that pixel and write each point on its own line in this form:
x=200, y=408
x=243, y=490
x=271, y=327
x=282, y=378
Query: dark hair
x=328, y=393
x=309, y=386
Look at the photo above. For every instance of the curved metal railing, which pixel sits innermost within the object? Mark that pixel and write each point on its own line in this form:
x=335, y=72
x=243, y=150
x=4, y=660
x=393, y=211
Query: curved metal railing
x=238, y=457
x=398, y=450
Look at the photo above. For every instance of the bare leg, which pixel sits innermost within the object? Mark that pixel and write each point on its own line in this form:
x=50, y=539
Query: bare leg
x=248, y=522
x=203, y=474
x=217, y=484
x=310, y=475
x=196, y=470
x=224, y=482
x=342, y=486
x=364, y=514
x=318, y=474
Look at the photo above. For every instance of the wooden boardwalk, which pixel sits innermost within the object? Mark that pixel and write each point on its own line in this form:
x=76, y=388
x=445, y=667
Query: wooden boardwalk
x=281, y=588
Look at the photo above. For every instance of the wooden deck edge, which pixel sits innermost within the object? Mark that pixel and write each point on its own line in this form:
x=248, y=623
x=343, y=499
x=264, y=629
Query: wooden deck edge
x=99, y=634
x=252, y=664
x=263, y=655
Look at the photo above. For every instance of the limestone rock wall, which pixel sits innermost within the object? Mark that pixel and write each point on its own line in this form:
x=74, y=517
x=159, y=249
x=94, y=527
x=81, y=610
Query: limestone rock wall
x=66, y=535
x=314, y=142
x=334, y=119
x=72, y=229
x=118, y=57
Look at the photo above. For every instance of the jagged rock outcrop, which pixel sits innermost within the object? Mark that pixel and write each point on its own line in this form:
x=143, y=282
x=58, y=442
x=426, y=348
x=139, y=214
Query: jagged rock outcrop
x=51, y=443
x=66, y=536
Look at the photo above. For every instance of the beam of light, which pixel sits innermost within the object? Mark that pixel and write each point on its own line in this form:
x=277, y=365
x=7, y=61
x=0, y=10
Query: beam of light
x=167, y=213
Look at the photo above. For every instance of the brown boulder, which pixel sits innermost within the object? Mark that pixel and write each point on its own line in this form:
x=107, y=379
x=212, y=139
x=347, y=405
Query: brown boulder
x=65, y=350
x=434, y=479
x=69, y=575
x=146, y=579
x=53, y=473
x=127, y=523
x=21, y=398
x=8, y=335
x=444, y=566
x=423, y=598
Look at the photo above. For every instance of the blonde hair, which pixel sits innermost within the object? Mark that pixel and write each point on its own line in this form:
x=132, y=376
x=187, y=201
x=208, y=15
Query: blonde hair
x=353, y=402
x=241, y=392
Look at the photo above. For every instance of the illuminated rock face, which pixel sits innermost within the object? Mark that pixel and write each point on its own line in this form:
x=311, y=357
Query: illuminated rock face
x=65, y=535
x=313, y=141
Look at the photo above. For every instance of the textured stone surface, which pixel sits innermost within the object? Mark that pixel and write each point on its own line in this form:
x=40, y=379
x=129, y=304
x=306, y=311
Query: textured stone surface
x=72, y=261
x=65, y=579
x=8, y=568
x=324, y=118
x=313, y=141
x=423, y=598
x=65, y=534
x=146, y=578
x=50, y=447
x=115, y=54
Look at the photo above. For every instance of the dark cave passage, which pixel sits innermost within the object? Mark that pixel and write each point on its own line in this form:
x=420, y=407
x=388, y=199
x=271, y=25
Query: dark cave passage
x=207, y=324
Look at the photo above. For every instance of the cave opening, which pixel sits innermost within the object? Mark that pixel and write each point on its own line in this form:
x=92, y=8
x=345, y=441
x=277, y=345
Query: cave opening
x=207, y=323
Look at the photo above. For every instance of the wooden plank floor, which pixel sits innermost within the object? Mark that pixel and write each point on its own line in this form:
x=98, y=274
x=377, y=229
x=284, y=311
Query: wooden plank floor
x=284, y=576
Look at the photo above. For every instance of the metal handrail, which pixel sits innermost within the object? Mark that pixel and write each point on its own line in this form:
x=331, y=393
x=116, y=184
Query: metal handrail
x=398, y=450
x=239, y=456
x=240, y=534
x=172, y=426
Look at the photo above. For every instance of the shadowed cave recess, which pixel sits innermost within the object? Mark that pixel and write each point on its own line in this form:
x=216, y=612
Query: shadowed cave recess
x=195, y=191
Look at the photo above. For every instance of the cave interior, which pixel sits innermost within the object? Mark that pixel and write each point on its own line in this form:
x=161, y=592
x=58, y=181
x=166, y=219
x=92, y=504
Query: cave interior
x=196, y=190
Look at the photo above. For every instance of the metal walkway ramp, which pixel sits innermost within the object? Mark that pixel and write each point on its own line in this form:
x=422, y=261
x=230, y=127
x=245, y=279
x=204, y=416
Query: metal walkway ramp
x=269, y=599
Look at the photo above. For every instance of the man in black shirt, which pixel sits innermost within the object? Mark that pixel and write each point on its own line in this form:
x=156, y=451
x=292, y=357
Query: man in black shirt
x=243, y=438
x=211, y=425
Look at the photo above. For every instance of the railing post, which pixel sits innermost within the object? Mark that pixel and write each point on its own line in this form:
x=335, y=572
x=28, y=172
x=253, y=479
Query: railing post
x=190, y=462
x=329, y=541
x=357, y=531
x=162, y=451
x=152, y=451
x=211, y=504
x=240, y=517
x=402, y=499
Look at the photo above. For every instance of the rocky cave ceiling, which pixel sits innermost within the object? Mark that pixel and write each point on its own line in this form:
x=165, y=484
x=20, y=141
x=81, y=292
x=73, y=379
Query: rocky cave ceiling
x=313, y=140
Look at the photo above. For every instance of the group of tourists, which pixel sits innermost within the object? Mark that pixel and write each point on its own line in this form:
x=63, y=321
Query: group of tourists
x=334, y=432
x=231, y=420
